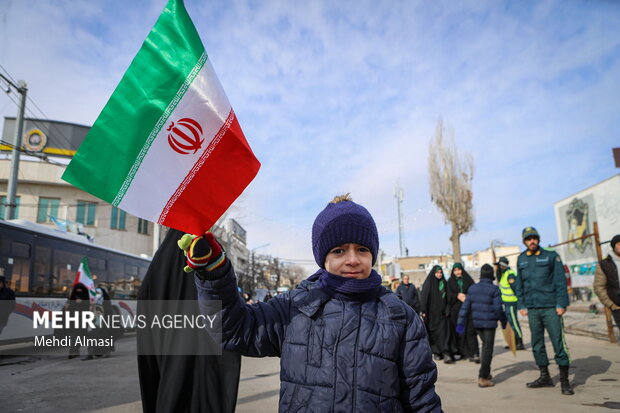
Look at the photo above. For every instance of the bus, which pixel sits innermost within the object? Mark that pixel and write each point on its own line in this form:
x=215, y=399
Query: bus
x=40, y=263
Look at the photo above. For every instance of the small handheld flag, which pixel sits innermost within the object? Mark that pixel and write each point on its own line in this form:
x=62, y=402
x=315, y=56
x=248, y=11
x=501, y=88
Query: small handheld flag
x=85, y=278
x=167, y=147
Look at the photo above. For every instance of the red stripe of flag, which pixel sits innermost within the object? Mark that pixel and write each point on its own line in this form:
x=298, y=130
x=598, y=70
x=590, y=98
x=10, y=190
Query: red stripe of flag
x=226, y=172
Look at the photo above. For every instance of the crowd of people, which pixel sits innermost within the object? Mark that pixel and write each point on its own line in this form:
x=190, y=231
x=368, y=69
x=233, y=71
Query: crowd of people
x=341, y=322
x=457, y=311
x=345, y=341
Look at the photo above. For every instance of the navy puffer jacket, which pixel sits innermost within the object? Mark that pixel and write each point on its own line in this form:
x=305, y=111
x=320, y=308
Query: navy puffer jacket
x=485, y=303
x=336, y=356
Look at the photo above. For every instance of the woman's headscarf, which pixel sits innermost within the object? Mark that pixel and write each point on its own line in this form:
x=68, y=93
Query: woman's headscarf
x=433, y=298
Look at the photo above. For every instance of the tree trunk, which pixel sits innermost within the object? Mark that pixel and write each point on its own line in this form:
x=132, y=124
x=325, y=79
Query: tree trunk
x=456, y=244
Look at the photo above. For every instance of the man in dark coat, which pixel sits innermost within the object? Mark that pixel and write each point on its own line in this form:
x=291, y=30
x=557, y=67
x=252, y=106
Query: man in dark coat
x=408, y=293
x=458, y=287
x=485, y=305
x=435, y=311
x=606, y=282
x=180, y=383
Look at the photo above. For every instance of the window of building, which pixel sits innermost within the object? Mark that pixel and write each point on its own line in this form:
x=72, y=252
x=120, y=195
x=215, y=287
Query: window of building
x=117, y=219
x=3, y=208
x=143, y=226
x=86, y=212
x=47, y=207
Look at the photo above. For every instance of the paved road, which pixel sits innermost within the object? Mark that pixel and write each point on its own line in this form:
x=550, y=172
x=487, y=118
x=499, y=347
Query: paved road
x=54, y=384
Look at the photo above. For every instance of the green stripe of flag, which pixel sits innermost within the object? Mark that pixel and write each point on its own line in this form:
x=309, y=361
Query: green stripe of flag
x=157, y=74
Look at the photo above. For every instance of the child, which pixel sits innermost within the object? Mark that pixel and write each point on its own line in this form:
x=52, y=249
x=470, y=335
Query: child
x=345, y=342
x=485, y=303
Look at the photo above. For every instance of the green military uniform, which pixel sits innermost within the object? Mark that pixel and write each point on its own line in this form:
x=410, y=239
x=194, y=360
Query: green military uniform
x=541, y=288
x=509, y=298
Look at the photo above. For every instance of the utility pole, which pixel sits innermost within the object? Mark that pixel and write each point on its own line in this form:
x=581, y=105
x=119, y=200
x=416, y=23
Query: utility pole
x=11, y=198
x=399, y=194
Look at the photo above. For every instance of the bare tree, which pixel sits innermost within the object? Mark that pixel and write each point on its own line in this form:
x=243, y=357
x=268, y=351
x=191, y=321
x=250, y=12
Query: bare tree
x=450, y=179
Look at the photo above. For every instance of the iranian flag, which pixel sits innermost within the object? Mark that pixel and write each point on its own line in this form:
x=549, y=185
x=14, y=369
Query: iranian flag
x=84, y=277
x=167, y=146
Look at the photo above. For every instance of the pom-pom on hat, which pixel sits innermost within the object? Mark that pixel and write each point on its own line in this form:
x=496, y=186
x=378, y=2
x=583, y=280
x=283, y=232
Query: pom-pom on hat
x=341, y=222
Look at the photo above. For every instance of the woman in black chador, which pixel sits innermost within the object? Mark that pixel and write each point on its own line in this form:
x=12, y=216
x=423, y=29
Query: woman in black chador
x=435, y=312
x=466, y=344
x=78, y=301
x=180, y=383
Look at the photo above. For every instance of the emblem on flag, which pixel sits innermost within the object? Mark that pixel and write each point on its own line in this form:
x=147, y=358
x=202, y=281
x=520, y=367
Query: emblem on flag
x=185, y=136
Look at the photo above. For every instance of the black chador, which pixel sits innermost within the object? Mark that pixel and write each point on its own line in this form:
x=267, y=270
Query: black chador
x=180, y=383
x=466, y=344
x=79, y=301
x=435, y=310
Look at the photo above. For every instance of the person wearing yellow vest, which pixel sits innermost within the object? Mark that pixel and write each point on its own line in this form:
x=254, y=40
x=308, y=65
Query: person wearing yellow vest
x=506, y=279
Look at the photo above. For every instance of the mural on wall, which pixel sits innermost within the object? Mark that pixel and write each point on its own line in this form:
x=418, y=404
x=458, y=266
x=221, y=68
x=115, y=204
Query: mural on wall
x=580, y=256
x=577, y=220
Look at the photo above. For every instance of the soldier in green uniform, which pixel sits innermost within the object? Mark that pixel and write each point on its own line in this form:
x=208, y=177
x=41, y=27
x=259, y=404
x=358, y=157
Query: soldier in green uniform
x=543, y=297
x=506, y=279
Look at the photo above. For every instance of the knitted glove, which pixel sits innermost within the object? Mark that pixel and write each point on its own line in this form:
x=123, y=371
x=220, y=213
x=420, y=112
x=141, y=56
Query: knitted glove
x=203, y=253
x=460, y=329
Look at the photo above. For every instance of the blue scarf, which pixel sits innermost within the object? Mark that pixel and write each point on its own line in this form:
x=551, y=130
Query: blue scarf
x=348, y=289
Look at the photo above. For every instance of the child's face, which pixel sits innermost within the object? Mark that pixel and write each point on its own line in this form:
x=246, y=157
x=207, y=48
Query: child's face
x=350, y=261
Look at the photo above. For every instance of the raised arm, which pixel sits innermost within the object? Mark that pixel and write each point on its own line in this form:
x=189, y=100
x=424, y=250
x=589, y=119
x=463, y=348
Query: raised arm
x=255, y=330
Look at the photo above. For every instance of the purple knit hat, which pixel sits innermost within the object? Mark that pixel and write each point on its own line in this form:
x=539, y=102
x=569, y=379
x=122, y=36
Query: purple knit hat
x=341, y=223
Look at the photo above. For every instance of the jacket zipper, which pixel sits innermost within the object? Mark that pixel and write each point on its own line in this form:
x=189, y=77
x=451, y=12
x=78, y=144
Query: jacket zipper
x=336, y=358
x=357, y=337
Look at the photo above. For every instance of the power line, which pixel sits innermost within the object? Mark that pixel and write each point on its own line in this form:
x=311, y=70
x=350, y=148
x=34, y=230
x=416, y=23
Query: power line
x=41, y=156
x=8, y=74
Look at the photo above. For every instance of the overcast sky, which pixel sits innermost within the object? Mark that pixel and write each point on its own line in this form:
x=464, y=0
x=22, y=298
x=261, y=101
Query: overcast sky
x=344, y=96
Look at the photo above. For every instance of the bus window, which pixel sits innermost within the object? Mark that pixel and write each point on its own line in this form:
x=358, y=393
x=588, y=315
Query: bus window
x=142, y=271
x=66, y=264
x=20, y=250
x=5, y=244
x=42, y=270
x=116, y=275
x=20, y=276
